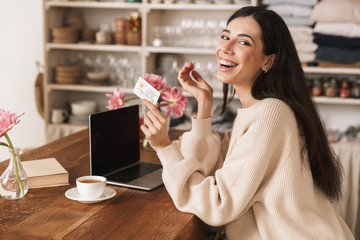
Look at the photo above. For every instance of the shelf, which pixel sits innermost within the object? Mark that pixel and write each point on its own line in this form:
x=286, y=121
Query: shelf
x=181, y=50
x=217, y=94
x=318, y=100
x=337, y=100
x=127, y=48
x=57, y=95
x=328, y=70
x=93, y=47
x=86, y=88
x=90, y=4
x=145, y=6
x=194, y=6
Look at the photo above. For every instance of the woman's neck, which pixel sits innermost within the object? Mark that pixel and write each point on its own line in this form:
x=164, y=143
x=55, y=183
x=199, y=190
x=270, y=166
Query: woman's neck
x=245, y=97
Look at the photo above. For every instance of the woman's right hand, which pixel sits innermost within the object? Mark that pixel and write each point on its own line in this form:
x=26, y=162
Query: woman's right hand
x=200, y=90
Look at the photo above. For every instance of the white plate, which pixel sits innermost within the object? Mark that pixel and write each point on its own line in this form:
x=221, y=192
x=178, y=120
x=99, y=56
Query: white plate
x=73, y=194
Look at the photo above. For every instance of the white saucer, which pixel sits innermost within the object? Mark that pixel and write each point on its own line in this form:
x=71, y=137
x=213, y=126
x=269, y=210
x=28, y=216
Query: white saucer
x=73, y=194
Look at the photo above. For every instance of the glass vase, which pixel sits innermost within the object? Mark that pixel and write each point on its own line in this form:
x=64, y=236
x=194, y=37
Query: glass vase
x=14, y=181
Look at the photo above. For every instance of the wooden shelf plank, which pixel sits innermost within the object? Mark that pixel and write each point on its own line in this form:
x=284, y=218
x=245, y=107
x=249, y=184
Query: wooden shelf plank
x=146, y=6
x=181, y=50
x=93, y=47
x=92, y=4
x=86, y=88
x=337, y=100
x=196, y=7
x=328, y=71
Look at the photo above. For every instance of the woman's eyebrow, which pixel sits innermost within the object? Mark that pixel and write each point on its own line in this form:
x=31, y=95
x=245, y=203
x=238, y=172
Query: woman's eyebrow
x=246, y=35
x=240, y=35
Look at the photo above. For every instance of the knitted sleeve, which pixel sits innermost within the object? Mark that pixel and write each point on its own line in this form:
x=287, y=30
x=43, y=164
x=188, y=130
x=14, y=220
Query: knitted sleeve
x=258, y=139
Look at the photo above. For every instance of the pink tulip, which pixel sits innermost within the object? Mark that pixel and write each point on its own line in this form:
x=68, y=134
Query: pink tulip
x=174, y=102
x=158, y=82
x=116, y=100
x=7, y=121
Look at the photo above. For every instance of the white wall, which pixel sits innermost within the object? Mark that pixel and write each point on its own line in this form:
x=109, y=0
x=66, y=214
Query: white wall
x=21, y=45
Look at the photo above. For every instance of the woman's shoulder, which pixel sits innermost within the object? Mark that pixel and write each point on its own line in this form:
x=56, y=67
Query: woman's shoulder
x=272, y=102
x=273, y=108
x=271, y=105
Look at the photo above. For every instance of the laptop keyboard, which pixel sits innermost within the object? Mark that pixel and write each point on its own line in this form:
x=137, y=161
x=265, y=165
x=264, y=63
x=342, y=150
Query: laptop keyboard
x=134, y=172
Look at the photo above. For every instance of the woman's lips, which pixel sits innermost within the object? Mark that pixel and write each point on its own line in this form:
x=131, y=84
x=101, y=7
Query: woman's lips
x=226, y=64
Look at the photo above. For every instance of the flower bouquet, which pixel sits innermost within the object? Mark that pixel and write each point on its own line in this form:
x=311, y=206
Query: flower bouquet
x=14, y=181
x=171, y=102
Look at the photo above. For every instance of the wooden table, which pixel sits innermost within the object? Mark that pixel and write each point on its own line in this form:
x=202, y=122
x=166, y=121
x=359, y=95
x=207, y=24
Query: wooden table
x=132, y=214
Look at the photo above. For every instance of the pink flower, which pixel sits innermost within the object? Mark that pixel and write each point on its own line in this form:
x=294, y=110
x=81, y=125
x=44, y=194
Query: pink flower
x=7, y=121
x=158, y=82
x=173, y=101
x=116, y=100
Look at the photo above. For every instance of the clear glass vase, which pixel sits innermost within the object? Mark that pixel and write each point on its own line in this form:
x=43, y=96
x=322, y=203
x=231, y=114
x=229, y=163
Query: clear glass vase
x=14, y=181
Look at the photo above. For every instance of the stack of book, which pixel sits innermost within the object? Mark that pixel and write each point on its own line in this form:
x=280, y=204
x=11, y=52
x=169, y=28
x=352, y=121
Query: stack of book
x=45, y=173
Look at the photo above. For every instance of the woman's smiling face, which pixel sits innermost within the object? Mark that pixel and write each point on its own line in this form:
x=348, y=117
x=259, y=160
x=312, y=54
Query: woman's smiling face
x=240, y=53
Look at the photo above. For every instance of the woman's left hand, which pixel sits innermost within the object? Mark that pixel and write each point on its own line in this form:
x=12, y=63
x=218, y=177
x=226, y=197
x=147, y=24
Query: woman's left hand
x=155, y=127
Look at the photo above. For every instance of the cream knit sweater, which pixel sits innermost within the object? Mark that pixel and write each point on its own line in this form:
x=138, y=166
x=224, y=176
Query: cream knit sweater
x=254, y=182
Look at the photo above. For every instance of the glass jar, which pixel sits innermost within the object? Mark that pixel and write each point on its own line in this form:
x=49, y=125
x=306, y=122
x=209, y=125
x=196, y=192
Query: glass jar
x=355, y=89
x=332, y=88
x=14, y=181
x=317, y=87
x=345, y=89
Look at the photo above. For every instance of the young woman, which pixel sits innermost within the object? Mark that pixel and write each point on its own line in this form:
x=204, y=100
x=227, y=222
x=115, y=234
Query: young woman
x=273, y=176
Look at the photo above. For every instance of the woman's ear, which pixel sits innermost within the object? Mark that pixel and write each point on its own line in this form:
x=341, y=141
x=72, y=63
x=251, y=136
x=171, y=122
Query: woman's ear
x=269, y=61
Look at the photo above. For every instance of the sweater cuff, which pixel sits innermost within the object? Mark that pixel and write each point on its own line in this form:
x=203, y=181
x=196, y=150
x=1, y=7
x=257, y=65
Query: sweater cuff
x=170, y=154
x=201, y=126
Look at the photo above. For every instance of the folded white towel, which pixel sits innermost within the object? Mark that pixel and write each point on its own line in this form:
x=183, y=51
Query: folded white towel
x=301, y=30
x=306, y=57
x=301, y=2
x=351, y=30
x=298, y=21
x=301, y=34
x=337, y=11
x=296, y=10
x=306, y=47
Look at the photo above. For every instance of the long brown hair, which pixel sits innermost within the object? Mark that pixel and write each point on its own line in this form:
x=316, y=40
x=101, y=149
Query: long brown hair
x=286, y=81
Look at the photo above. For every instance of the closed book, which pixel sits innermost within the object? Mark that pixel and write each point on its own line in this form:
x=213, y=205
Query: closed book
x=45, y=173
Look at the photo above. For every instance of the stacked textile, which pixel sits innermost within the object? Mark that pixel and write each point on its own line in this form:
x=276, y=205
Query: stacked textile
x=303, y=39
x=337, y=31
x=297, y=15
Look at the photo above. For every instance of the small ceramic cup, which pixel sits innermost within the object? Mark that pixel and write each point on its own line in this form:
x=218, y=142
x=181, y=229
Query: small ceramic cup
x=91, y=187
x=59, y=115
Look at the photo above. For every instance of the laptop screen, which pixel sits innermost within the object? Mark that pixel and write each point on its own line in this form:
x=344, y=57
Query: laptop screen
x=114, y=139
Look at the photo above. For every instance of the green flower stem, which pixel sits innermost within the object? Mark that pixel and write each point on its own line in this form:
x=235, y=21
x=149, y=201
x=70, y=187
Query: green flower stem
x=129, y=99
x=145, y=143
x=15, y=164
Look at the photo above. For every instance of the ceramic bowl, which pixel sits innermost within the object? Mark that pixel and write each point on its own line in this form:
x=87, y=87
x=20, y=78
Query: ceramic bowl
x=97, y=76
x=85, y=107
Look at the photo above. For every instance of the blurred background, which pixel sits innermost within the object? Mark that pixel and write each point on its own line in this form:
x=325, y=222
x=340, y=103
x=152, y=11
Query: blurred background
x=21, y=45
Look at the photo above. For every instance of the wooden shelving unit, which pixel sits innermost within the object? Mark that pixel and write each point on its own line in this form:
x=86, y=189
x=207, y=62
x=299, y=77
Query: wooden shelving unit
x=144, y=55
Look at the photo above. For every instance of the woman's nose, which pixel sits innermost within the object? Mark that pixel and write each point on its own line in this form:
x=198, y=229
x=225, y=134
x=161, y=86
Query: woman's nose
x=227, y=47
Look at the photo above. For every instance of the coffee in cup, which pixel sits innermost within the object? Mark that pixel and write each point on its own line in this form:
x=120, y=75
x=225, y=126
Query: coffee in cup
x=91, y=187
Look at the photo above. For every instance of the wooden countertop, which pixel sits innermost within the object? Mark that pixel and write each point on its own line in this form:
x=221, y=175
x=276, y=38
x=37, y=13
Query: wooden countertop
x=46, y=213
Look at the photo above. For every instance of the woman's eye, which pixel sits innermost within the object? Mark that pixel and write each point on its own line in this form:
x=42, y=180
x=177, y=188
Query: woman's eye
x=244, y=43
x=224, y=37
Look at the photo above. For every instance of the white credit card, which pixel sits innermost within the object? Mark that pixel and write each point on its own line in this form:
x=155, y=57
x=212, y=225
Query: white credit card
x=143, y=89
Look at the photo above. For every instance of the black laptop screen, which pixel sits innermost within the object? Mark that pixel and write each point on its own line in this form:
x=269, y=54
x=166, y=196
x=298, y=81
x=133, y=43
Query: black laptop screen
x=114, y=139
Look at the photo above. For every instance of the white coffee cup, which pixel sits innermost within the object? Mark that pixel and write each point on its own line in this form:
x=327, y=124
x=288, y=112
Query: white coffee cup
x=91, y=187
x=58, y=115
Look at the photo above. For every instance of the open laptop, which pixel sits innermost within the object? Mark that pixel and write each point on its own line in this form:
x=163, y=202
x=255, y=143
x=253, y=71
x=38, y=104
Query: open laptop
x=115, y=150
